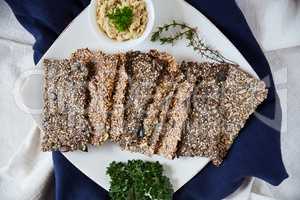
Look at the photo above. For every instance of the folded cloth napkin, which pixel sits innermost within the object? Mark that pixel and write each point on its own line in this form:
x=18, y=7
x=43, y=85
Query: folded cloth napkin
x=256, y=152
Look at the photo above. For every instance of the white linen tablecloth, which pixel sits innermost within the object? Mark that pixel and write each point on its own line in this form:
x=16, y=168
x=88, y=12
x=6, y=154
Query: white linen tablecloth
x=26, y=173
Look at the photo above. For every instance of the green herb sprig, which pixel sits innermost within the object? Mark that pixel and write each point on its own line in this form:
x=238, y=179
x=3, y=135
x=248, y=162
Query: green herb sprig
x=138, y=180
x=121, y=18
x=193, y=38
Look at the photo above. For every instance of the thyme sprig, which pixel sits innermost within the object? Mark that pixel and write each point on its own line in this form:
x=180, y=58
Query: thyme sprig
x=194, y=41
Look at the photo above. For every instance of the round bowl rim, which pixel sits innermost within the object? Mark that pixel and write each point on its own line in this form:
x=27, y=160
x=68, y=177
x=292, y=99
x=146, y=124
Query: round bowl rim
x=122, y=44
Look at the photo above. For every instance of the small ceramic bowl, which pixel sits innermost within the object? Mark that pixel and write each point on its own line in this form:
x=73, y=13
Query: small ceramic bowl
x=121, y=44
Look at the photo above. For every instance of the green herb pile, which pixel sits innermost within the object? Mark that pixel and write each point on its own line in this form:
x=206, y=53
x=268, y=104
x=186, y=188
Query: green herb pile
x=138, y=180
x=121, y=18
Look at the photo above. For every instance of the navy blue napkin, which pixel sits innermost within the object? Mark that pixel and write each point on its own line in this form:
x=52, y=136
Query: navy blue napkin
x=256, y=151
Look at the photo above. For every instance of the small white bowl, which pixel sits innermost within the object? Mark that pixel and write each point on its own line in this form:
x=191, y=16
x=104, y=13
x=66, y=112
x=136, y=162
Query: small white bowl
x=121, y=45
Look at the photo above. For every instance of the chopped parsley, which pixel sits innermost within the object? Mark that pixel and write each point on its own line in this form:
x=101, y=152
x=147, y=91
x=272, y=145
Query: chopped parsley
x=121, y=18
x=138, y=180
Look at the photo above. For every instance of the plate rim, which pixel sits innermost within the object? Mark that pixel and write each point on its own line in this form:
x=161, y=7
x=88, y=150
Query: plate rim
x=216, y=29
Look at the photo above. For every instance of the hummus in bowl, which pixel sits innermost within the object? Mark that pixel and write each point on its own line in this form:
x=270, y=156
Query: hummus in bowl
x=122, y=19
x=125, y=22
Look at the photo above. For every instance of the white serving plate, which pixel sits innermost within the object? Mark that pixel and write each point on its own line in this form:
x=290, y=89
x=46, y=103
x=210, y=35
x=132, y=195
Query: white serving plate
x=80, y=35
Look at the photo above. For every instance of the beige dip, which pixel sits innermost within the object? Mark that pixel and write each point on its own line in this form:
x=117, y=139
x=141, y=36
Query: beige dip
x=138, y=25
